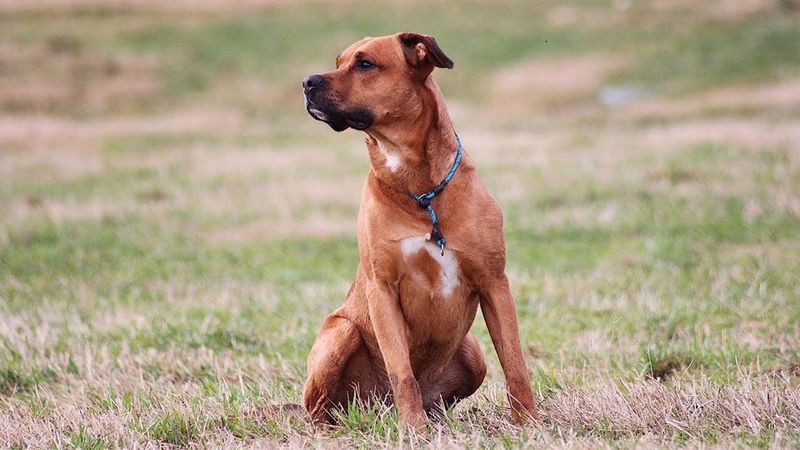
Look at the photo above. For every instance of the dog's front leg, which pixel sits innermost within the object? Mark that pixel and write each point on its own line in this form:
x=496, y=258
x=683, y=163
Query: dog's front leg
x=500, y=313
x=390, y=331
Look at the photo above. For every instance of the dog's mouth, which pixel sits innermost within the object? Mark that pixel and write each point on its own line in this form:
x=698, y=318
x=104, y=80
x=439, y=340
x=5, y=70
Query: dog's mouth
x=357, y=118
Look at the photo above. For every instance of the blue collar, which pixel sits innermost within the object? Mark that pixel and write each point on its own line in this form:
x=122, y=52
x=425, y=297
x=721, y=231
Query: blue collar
x=424, y=200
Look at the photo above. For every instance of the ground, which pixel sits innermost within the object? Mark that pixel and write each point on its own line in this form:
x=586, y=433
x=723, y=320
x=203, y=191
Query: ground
x=174, y=227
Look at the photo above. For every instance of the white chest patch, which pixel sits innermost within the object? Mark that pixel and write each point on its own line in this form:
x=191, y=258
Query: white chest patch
x=447, y=262
x=392, y=159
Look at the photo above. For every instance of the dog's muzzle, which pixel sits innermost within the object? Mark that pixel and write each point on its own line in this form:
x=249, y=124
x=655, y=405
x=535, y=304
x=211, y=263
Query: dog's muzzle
x=321, y=107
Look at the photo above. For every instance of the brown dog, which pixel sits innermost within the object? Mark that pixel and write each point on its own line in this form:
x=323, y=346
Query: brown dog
x=403, y=330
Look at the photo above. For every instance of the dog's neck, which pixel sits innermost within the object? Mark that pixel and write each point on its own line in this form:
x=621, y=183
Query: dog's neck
x=416, y=158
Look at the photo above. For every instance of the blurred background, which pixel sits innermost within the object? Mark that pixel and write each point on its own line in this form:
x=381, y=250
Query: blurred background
x=172, y=222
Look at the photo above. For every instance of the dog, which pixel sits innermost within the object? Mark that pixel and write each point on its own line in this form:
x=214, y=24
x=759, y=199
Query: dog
x=431, y=248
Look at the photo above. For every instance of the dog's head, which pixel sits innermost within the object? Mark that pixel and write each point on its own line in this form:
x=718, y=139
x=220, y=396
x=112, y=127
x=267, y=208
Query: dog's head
x=376, y=80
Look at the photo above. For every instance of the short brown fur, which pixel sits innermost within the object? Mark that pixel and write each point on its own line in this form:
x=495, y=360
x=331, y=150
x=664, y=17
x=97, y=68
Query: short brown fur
x=402, y=332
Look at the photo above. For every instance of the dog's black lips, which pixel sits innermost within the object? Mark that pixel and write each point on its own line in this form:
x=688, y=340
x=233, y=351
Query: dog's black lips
x=356, y=118
x=359, y=118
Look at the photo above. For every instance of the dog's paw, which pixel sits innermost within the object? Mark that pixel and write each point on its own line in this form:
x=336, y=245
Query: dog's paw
x=418, y=422
x=526, y=415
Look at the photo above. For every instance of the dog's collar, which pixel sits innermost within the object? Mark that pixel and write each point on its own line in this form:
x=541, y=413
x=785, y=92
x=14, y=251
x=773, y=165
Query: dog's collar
x=424, y=200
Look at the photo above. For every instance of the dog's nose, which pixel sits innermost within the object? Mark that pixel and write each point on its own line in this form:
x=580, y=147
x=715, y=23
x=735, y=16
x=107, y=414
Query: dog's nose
x=313, y=81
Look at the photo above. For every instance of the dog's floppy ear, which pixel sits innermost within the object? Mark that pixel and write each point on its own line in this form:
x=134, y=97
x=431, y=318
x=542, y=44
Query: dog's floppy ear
x=422, y=52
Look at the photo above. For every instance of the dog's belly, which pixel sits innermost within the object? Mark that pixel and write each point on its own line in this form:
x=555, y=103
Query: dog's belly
x=438, y=303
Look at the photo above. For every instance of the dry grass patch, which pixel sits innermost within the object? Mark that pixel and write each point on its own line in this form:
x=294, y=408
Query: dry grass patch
x=53, y=134
x=695, y=408
x=648, y=412
x=318, y=226
x=727, y=10
x=60, y=75
x=164, y=267
x=190, y=7
x=549, y=84
x=776, y=98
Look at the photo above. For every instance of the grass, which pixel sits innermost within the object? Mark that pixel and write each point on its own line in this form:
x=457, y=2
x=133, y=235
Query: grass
x=173, y=228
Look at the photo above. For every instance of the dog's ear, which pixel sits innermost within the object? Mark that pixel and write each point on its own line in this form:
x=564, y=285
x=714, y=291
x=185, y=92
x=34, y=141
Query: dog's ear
x=422, y=52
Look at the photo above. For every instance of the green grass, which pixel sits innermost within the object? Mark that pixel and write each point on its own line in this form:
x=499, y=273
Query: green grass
x=195, y=56
x=760, y=49
x=162, y=280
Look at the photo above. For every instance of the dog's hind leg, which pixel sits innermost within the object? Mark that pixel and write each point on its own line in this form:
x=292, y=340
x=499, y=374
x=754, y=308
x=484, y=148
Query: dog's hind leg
x=339, y=369
x=459, y=379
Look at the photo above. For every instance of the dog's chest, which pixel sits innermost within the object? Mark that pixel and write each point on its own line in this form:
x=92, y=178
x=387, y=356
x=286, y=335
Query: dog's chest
x=428, y=268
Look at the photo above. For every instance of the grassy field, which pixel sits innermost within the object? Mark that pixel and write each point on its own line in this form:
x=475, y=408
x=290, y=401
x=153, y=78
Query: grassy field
x=174, y=227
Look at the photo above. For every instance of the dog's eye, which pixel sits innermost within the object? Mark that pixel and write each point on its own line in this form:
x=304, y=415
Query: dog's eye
x=364, y=64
